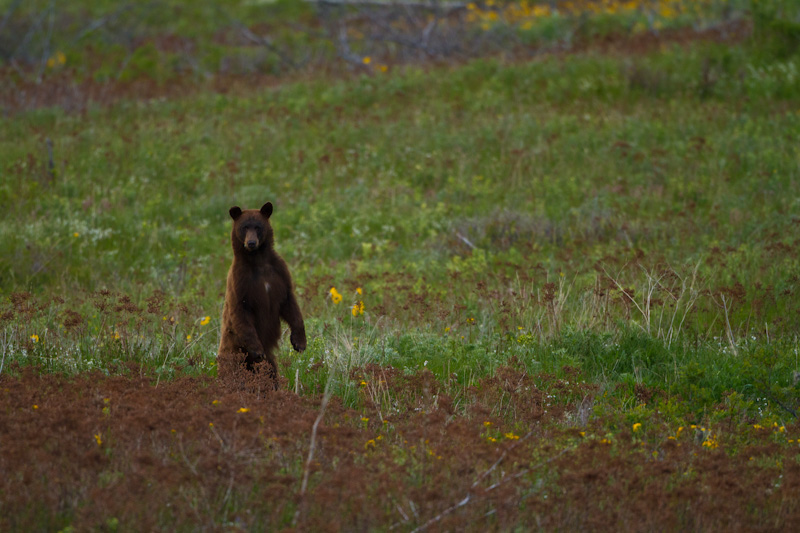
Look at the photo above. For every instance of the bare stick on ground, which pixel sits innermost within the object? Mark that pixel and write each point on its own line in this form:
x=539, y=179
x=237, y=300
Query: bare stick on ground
x=311, y=447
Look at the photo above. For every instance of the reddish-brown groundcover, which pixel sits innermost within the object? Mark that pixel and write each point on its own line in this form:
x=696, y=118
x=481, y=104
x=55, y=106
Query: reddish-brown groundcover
x=130, y=453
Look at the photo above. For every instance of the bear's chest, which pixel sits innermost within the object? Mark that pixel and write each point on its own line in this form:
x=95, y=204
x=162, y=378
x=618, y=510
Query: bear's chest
x=267, y=285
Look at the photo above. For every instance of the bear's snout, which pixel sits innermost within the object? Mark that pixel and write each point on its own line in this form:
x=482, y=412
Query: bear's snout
x=251, y=240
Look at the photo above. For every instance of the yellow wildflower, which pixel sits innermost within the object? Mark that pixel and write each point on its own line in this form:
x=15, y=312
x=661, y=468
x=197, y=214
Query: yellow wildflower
x=98, y=439
x=243, y=410
x=335, y=296
x=359, y=291
x=58, y=59
x=76, y=234
x=367, y=60
x=35, y=406
x=711, y=442
x=637, y=426
x=35, y=337
x=188, y=337
x=205, y=321
x=358, y=309
x=666, y=11
x=541, y=11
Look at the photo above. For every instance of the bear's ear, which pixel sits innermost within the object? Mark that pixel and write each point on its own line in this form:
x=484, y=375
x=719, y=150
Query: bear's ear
x=266, y=209
x=235, y=212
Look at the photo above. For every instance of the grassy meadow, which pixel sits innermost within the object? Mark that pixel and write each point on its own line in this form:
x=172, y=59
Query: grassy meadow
x=616, y=232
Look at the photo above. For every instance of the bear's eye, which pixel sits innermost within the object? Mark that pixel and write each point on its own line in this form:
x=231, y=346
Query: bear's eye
x=252, y=227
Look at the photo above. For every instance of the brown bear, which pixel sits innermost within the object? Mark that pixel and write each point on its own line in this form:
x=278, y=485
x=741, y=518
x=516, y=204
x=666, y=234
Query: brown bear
x=258, y=294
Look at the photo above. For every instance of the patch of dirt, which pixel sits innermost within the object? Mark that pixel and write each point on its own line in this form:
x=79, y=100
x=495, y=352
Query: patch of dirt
x=99, y=452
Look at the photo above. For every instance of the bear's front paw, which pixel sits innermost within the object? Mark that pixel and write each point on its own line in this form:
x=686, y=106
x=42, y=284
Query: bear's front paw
x=298, y=339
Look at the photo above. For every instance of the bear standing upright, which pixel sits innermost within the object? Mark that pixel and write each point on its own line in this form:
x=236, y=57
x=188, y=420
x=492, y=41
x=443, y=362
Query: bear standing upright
x=258, y=294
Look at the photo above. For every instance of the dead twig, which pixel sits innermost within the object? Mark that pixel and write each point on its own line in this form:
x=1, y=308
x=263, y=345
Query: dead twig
x=465, y=240
x=471, y=496
x=35, y=26
x=311, y=448
x=782, y=405
x=100, y=22
x=267, y=43
x=51, y=166
x=726, y=306
x=5, y=349
x=10, y=11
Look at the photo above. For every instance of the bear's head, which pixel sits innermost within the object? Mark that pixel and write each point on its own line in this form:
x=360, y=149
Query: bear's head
x=251, y=229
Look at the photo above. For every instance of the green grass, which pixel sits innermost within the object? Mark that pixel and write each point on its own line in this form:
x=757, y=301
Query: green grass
x=629, y=217
x=586, y=255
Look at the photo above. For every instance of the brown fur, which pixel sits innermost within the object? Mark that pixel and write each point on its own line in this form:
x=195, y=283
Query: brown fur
x=258, y=294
